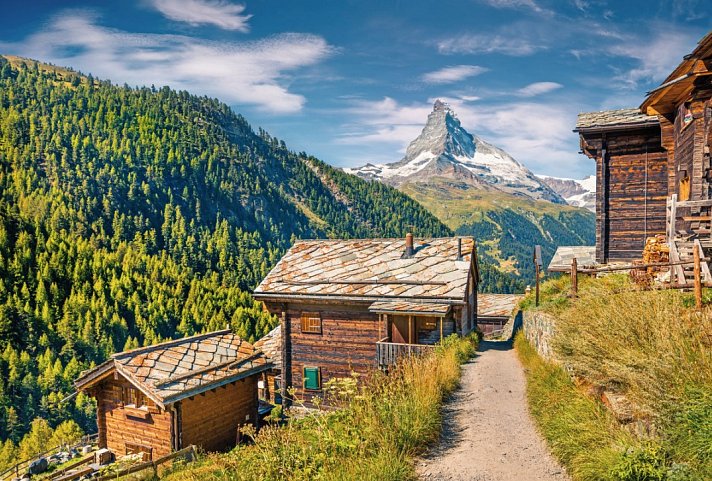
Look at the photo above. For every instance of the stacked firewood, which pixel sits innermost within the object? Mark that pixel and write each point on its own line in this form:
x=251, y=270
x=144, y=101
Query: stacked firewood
x=656, y=251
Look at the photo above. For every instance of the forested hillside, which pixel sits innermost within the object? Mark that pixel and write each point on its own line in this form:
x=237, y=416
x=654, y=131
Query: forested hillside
x=128, y=216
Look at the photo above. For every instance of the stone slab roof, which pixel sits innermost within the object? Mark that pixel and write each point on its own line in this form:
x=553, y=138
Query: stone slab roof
x=614, y=118
x=413, y=308
x=497, y=305
x=561, y=262
x=181, y=368
x=271, y=345
x=371, y=269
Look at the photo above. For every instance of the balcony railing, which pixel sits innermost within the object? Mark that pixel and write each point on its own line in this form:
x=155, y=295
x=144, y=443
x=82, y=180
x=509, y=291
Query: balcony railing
x=388, y=353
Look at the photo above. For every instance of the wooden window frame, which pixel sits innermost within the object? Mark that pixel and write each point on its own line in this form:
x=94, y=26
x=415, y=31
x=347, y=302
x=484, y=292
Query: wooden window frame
x=318, y=378
x=310, y=322
x=133, y=397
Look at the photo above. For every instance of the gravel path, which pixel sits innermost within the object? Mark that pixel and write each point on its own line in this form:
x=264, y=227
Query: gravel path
x=488, y=434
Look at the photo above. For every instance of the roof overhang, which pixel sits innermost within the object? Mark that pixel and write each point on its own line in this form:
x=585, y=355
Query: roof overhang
x=411, y=308
x=283, y=297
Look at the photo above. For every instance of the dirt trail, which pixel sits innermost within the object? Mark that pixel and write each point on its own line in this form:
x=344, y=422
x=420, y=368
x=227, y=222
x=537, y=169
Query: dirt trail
x=488, y=434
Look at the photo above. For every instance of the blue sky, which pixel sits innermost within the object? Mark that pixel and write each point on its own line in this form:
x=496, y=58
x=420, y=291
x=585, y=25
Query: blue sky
x=353, y=81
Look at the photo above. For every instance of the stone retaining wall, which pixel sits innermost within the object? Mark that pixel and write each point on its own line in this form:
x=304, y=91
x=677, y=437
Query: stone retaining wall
x=539, y=330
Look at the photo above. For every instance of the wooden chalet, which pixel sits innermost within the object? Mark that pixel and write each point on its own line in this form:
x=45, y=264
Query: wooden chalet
x=355, y=305
x=495, y=310
x=631, y=180
x=158, y=399
x=683, y=106
x=653, y=165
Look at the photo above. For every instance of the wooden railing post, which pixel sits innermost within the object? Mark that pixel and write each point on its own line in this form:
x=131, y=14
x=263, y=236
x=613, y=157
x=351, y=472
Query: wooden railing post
x=574, y=277
x=698, y=277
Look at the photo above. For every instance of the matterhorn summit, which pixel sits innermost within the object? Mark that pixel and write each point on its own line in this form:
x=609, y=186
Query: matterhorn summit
x=444, y=150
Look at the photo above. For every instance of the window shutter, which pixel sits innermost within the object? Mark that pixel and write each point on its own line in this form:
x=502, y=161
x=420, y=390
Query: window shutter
x=311, y=322
x=312, y=378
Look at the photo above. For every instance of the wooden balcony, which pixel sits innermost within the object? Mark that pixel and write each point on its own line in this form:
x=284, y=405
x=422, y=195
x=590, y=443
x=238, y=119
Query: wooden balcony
x=388, y=353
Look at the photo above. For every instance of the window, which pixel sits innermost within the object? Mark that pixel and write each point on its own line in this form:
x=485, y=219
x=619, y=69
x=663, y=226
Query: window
x=131, y=396
x=684, y=191
x=311, y=322
x=311, y=378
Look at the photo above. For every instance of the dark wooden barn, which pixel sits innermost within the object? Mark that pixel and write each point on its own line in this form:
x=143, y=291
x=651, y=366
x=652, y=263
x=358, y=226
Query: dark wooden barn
x=355, y=305
x=653, y=166
x=631, y=180
x=158, y=399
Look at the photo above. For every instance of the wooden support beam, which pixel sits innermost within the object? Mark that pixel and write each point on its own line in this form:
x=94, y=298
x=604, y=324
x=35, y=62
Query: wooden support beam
x=574, y=277
x=698, y=277
x=441, y=330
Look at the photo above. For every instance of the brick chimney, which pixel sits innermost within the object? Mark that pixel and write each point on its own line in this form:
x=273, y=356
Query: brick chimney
x=409, y=249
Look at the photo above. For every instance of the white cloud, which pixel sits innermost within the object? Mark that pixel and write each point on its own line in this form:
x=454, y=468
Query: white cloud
x=517, y=4
x=205, y=12
x=255, y=73
x=656, y=57
x=453, y=74
x=538, y=134
x=483, y=43
x=538, y=88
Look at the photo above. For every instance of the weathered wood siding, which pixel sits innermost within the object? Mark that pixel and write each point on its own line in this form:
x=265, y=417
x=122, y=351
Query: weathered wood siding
x=211, y=420
x=632, y=207
x=116, y=428
x=347, y=343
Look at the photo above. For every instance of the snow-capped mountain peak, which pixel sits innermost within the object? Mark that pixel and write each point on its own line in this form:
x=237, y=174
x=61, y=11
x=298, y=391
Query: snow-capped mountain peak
x=445, y=149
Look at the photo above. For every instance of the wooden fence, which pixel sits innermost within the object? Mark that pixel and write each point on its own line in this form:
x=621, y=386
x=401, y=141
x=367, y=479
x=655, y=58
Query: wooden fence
x=698, y=262
x=188, y=454
x=21, y=467
x=388, y=353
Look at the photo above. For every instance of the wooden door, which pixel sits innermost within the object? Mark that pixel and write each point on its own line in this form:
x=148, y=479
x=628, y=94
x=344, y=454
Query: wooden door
x=399, y=331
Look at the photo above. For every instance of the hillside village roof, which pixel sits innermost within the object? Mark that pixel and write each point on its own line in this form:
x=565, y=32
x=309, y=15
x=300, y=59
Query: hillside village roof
x=271, y=345
x=372, y=269
x=174, y=370
x=608, y=119
x=561, y=262
x=497, y=305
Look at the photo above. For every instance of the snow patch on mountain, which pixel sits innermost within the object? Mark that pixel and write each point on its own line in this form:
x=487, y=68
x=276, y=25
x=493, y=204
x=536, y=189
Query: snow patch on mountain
x=579, y=193
x=445, y=149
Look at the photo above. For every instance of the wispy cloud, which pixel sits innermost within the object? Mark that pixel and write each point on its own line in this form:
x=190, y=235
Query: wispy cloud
x=220, y=13
x=654, y=55
x=256, y=73
x=517, y=4
x=455, y=73
x=538, y=88
x=488, y=43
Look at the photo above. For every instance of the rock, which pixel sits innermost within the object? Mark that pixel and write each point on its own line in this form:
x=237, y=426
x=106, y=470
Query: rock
x=38, y=466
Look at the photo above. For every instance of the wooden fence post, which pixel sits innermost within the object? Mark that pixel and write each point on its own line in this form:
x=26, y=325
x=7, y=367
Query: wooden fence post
x=537, y=286
x=698, y=277
x=574, y=277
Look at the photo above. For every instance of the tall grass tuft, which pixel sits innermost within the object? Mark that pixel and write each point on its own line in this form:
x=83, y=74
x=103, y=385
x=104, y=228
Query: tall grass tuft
x=379, y=426
x=651, y=347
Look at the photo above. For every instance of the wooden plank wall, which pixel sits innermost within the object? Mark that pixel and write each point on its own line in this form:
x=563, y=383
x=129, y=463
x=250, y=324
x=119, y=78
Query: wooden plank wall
x=116, y=429
x=211, y=419
x=635, y=207
x=347, y=342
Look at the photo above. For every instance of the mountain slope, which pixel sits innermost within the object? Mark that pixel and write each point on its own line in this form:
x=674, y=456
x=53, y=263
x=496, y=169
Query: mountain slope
x=478, y=189
x=579, y=193
x=128, y=216
x=444, y=149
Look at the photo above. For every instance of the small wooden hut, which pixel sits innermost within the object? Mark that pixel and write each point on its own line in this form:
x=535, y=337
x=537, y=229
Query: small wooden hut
x=355, y=305
x=198, y=390
x=631, y=180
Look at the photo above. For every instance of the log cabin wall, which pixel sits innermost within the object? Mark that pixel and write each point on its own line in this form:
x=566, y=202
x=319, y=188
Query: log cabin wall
x=631, y=190
x=211, y=420
x=347, y=342
x=117, y=427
